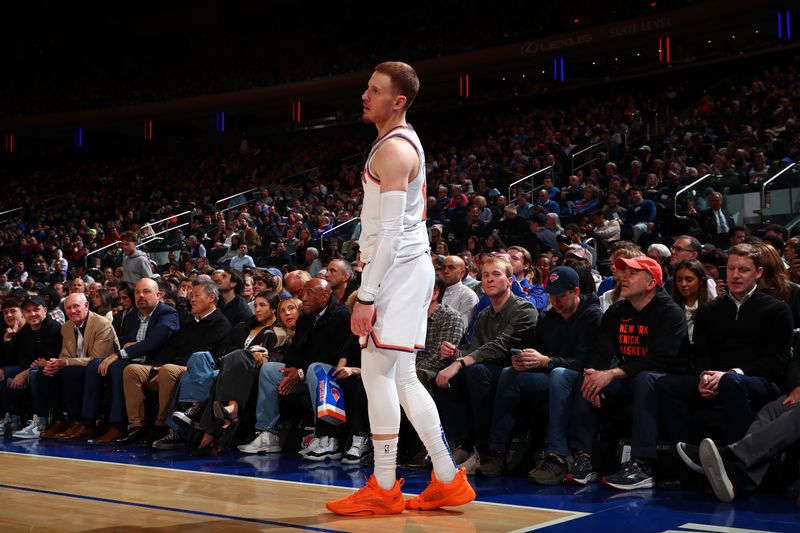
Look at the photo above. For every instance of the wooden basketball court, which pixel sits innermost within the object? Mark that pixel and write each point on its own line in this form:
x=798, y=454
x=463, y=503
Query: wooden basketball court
x=58, y=494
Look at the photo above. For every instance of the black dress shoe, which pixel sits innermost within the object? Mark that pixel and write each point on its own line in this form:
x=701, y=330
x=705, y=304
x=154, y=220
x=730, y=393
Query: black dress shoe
x=135, y=436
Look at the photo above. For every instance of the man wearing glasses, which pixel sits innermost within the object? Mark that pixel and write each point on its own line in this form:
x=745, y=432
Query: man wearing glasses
x=684, y=248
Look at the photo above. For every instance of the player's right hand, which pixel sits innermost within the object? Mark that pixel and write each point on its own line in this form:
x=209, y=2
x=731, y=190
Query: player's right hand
x=361, y=319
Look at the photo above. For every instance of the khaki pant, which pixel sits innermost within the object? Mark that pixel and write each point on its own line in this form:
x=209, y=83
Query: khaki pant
x=136, y=379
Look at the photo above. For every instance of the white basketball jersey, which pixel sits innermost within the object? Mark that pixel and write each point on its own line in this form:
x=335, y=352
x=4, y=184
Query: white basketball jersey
x=414, y=240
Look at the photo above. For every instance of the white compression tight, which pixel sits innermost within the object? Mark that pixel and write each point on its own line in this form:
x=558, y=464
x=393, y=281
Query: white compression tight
x=390, y=380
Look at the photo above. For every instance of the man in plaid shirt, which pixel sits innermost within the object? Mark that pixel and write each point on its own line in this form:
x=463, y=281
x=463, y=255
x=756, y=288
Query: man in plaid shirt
x=444, y=324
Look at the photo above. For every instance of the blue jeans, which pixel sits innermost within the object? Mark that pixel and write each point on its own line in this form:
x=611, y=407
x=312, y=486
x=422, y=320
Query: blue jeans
x=268, y=405
x=9, y=395
x=515, y=387
x=196, y=383
x=562, y=387
x=194, y=386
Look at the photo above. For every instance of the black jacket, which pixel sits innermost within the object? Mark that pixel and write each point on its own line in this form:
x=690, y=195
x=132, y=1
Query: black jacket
x=568, y=343
x=755, y=338
x=236, y=311
x=326, y=341
x=28, y=345
x=208, y=335
x=646, y=340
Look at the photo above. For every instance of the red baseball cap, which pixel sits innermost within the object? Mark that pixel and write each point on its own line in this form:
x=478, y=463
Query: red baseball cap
x=641, y=263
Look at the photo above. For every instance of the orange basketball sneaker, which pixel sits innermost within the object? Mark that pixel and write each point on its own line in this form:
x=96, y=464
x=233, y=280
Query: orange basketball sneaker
x=438, y=494
x=371, y=499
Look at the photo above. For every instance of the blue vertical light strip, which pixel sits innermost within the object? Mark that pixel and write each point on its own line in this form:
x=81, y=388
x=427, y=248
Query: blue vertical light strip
x=555, y=69
x=780, y=26
x=223, y=122
x=788, y=26
x=562, y=69
x=80, y=137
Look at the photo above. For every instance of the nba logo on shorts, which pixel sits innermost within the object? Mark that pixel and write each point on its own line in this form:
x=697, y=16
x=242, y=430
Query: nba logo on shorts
x=386, y=448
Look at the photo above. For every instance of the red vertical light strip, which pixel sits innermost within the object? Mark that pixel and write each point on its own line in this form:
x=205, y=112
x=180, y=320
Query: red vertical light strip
x=298, y=111
x=466, y=84
x=151, y=130
x=660, y=49
x=667, y=49
x=460, y=89
x=11, y=145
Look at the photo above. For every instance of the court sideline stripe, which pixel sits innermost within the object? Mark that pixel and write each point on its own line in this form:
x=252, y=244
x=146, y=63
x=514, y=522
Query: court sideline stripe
x=170, y=509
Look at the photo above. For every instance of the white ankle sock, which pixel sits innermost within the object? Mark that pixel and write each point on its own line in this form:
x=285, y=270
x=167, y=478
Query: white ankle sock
x=385, y=462
x=443, y=464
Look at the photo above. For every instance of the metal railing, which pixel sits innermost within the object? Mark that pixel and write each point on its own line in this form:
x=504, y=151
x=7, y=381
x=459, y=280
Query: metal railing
x=298, y=174
x=792, y=223
x=360, y=156
x=241, y=193
x=534, y=188
x=157, y=222
x=322, y=235
x=86, y=258
x=764, y=202
x=572, y=157
x=9, y=211
x=688, y=188
x=155, y=236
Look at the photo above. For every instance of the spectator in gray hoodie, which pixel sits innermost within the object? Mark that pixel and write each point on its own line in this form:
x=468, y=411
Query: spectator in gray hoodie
x=135, y=265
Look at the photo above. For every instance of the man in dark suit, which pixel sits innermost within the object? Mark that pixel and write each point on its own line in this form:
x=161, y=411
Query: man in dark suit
x=716, y=222
x=144, y=333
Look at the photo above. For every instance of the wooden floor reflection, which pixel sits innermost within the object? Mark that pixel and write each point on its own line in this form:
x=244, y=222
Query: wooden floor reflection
x=55, y=494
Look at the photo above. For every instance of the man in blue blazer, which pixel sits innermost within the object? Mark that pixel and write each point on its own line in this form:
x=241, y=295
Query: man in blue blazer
x=143, y=335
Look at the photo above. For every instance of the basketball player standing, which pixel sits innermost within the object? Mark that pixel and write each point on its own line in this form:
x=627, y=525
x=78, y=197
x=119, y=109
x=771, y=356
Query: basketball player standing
x=390, y=315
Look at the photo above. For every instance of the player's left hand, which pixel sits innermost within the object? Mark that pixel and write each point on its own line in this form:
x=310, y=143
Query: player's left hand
x=361, y=319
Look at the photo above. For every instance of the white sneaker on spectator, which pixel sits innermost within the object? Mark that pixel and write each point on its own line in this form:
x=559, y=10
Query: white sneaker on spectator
x=32, y=430
x=264, y=442
x=328, y=448
x=358, y=449
x=7, y=424
x=312, y=446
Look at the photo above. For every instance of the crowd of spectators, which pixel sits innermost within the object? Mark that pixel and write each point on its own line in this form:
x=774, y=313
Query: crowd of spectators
x=645, y=301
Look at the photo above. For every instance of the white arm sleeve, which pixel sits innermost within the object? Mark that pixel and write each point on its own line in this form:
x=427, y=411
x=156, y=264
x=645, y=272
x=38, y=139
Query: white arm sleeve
x=393, y=208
